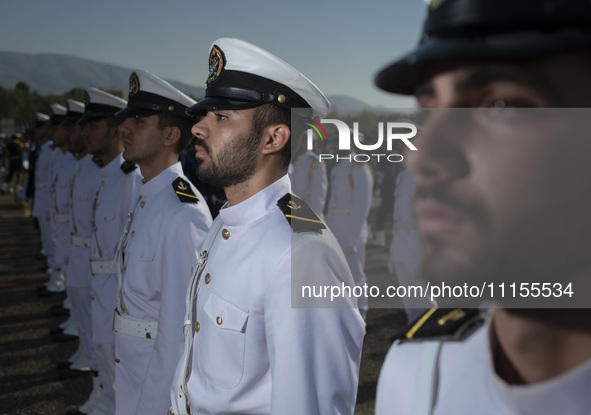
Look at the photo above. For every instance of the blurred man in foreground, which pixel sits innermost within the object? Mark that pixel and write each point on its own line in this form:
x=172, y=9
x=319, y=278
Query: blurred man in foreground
x=502, y=197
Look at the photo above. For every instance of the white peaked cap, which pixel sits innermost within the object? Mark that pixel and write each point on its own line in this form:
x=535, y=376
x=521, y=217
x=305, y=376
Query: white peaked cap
x=100, y=105
x=149, y=94
x=75, y=111
x=75, y=106
x=243, y=75
x=58, y=115
x=42, y=117
x=58, y=109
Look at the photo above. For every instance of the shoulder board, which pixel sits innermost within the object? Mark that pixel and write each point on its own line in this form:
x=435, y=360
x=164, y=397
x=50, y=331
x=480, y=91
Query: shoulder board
x=183, y=190
x=128, y=167
x=445, y=324
x=299, y=215
x=98, y=161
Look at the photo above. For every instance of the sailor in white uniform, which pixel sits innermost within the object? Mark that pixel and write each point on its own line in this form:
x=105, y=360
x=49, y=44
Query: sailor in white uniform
x=308, y=179
x=405, y=249
x=489, y=210
x=43, y=205
x=41, y=189
x=162, y=240
x=351, y=190
x=118, y=186
x=247, y=349
x=99, y=105
x=461, y=352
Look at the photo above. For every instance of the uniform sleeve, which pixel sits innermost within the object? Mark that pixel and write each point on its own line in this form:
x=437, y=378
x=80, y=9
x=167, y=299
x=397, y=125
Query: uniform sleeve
x=397, y=382
x=314, y=353
x=177, y=253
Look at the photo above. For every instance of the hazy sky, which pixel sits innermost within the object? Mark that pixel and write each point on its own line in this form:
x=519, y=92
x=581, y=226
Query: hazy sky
x=338, y=44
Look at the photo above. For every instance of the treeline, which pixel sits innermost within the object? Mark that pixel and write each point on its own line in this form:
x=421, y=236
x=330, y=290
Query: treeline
x=21, y=104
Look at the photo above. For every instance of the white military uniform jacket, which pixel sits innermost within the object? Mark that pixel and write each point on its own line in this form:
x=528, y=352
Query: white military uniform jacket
x=55, y=163
x=309, y=181
x=42, y=181
x=62, y=200
x=84, y=188
x=252, y=353
x=113, y=202
x=405, y=249
x=42, y=200
x=160, y=250
x=351, y=190
x=468, y=384
x=351, y=187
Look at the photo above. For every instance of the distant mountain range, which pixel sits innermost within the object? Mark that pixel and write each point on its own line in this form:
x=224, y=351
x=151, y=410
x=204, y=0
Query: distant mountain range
x=49, y=73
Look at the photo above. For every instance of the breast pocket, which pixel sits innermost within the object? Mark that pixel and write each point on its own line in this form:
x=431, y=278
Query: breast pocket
x=141, y=251
x=139, y=264
x=223, y=346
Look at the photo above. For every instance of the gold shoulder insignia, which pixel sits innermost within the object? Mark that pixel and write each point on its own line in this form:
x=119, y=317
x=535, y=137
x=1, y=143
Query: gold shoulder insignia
x=98, y=161
x=128, y=167
x=183, y=190
x=444, y=324
x=299, y=215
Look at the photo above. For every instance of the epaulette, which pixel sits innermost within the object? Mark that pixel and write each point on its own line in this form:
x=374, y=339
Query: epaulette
x=299, y=215
x=128, y=167
x=183, y=190
x=98, y=161
x=445, y=324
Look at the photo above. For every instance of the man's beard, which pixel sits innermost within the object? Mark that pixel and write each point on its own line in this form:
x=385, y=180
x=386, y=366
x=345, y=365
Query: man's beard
x=232, y=165
x=469, y=257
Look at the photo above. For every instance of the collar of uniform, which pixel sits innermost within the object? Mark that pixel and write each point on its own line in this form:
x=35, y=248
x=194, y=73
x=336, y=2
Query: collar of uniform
x=162, y=180
x=46, y=145
x=256, y=206
x=112, y=167
x=85, y=160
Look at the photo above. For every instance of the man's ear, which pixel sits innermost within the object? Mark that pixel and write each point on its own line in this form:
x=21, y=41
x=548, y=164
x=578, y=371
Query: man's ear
x=275, y=137
x=172, y=134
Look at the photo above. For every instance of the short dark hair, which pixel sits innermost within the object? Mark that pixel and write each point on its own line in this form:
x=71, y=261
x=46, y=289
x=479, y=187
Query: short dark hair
x=266, y=115
x=184, y=124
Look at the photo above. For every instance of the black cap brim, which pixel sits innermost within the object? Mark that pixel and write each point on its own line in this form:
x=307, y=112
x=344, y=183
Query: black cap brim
x=68, y=122
x=219, y=103
x=132, y=112
x=88, y=120
x=437, y=55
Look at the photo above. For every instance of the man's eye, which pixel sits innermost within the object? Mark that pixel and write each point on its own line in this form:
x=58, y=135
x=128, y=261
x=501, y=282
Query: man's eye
x=221, y=116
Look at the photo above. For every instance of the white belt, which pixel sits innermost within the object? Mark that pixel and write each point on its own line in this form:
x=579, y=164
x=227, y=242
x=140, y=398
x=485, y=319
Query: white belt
x=404, y=226
x=103, y=267
x=81, y=242
x=126, y=324
x=57, y=218
x=342, y=211
x=40, y=185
